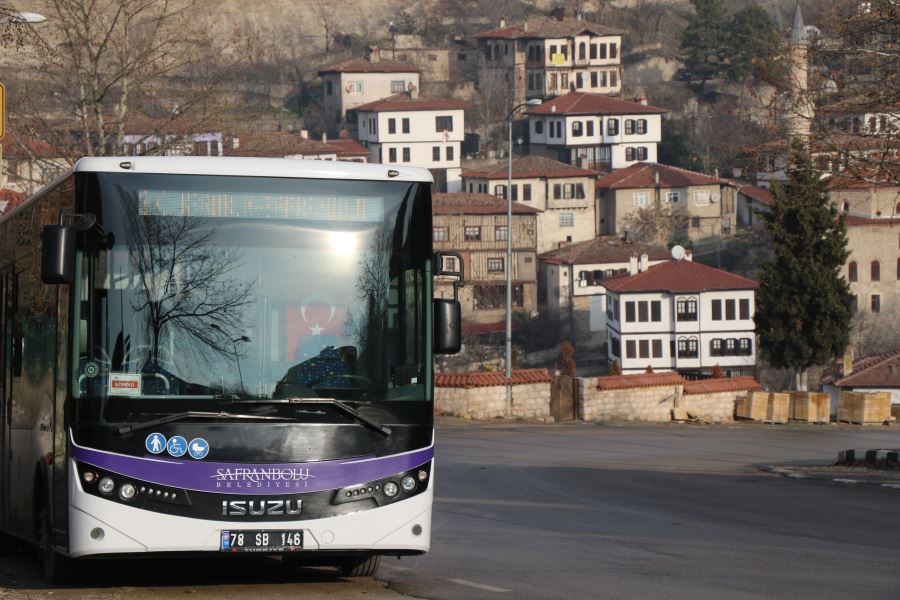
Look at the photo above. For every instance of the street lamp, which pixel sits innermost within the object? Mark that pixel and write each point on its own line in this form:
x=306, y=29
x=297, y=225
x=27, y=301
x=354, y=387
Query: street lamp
x=237, y=359
x=509, y=236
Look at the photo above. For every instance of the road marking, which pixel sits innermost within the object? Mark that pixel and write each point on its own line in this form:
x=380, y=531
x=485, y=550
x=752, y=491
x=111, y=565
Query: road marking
x=844, y=481
x=396, y=568
x=480, y=586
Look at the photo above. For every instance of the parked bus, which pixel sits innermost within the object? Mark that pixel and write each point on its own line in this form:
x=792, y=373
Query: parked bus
x=221, y=355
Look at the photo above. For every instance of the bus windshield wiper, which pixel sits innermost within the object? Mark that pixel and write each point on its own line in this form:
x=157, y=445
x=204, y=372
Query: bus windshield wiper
x=194, y=414
x=339, y=404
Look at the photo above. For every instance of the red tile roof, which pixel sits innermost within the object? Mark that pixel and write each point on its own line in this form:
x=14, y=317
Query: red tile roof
x=761, y=195
x=882, y=371
x=529, y=167
x=348, y=147
x=405, y=102
x=606, y=249
x=466, y=203
x=857, y=221
x=622, y=382
x=547, y=27
x=865, y=179
x=582, y=103
x=278, y=144
x=362, y=65
x=496, y=378
x=679, y=276
x=723, y=384
x=27, y=148
x=644, y=175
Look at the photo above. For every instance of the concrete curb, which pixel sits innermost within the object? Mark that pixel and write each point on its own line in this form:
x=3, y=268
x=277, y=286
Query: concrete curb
x=877, y=459
x=792, y=474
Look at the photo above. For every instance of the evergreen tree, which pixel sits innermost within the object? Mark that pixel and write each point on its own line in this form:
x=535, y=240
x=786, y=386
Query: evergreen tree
x=752, y=46
x=702, y=41
x=804, y=304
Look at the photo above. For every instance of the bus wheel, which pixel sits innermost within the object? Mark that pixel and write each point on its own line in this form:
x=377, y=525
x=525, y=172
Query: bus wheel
x=57, y=568
x=363, y=565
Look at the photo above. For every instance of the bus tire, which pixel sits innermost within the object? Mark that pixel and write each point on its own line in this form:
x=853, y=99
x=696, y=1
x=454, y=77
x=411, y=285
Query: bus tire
x=57, y=568
x=363, y=565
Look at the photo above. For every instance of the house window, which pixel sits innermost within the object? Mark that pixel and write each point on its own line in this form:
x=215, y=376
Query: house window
x=559, y=126
x=701, y=197
x=875, y=270
x=641, y=126
x=406, y=155
x=472, y=234
x=593, y=79
x=355, y=87
x=577, y=128
x=441, y=234
x=501, y=233
x=500, y=191
x=398, y=86
x=629, y=126
x=612, y=127
x=630, y=349
x=613, y=50
x=716, y=310
x=852, y=275
x=629, y=154
x=493, y=296
x=730, y=347
x=392, y=155
x=593, y=51
x=392, y=125
x=579, y=80
x=449, y=153
x=876, y=303
x=643, y=314
x=657, y=349
x=629, y=312
x=443, y=123
x=603, y=79
x=566, y=219
x=655, y=310
x=526, y=191
x=539, y=127
x=602, y=51
x=640, y=198
x=405, y=123
x=329, y=88
x=515, y=191
x=745, y=346
x=613, y=78
x=582, y=51
x=715, y=347
x=436, y=153
x=695, y=222
x=673, y=197
x=495, y=265
x=644, y=349
x=687, y=348
x=729, y=310
x=590, y=128
x=686, y=309
x=642, y=153
x=744, y=308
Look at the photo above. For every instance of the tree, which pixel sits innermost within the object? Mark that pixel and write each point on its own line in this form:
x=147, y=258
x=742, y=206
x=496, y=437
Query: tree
x=702, y=41
x=804, y=305
x=752, y=46
x=656, y=225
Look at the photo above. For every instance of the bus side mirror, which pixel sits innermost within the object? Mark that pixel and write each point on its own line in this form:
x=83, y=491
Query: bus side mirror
x=58, y=254
x=447, y=326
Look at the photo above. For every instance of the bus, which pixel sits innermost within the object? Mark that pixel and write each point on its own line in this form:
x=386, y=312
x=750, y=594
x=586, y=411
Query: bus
x=221, y=355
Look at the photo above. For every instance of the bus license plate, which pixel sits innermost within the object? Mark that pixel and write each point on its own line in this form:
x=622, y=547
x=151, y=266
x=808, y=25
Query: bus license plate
x=261, y=541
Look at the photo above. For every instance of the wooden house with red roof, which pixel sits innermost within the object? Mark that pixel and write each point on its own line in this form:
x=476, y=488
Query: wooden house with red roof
x=879, y=373
x=682, y=316
x=595, y=131
x=361, y=80
x=709, y=202
x=475, y=225
x=563, y=193
x=547, y=56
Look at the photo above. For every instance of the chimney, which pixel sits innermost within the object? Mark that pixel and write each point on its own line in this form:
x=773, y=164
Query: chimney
x=304, y=134
x=374, y=54
x=324, y=138
x=642, y=263
x=656, y=178
x=688, y=255
x=413, y=91
x=525, y=26
x=502, y=23
x=848, y=360
x=633, y=265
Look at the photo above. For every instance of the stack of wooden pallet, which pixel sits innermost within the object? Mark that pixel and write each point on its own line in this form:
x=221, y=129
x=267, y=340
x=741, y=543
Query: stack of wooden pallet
x=864, y=408
x=768, y=407
x=810, y=407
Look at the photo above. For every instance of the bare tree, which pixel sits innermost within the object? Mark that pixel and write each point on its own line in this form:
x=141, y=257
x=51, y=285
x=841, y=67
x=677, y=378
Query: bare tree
x=656, y=225
x=492, y=104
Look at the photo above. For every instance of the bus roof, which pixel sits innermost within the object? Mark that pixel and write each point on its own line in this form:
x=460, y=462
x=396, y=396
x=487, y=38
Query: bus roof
x=252, y=167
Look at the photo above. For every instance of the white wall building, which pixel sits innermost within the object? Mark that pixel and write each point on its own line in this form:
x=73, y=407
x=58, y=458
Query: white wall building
x=594, y=131
x=684, y=316
x=405, y=129
x=359, y=81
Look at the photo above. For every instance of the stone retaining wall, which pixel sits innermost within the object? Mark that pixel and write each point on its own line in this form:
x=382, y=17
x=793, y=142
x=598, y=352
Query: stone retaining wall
x=634, y=404
x=529, y=401
x=716, y=406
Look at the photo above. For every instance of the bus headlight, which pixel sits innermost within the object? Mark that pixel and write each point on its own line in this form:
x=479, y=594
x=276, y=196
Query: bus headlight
x=408, y=484
x=107, y=485
x=390, y=489
x=126, y=492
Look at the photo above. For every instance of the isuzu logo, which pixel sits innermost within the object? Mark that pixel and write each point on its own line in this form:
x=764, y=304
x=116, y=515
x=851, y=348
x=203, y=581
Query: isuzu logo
x=260, y=508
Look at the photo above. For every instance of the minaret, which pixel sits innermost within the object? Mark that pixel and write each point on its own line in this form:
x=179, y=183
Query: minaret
x=800, y=110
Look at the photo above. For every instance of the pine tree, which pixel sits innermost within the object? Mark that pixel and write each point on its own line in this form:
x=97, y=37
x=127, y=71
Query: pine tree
x=702, y=41
x=752, y=46
x=804, y=304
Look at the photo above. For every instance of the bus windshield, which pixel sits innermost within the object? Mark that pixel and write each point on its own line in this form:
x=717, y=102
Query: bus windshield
x=194, y=288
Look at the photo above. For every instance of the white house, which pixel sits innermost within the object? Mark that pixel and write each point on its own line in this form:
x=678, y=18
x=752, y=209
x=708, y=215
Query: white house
x=406, y=129
x=595, y=131
x=683, y=316
x=358, y=81
x=571, y=281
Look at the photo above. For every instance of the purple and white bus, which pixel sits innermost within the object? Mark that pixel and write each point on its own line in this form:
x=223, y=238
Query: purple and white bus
x=221, y=355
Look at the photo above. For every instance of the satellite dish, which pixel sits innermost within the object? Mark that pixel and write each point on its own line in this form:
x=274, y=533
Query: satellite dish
x=677, y=252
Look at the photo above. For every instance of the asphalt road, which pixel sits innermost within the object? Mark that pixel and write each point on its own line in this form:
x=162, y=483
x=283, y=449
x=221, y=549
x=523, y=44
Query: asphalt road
x=588, y=511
